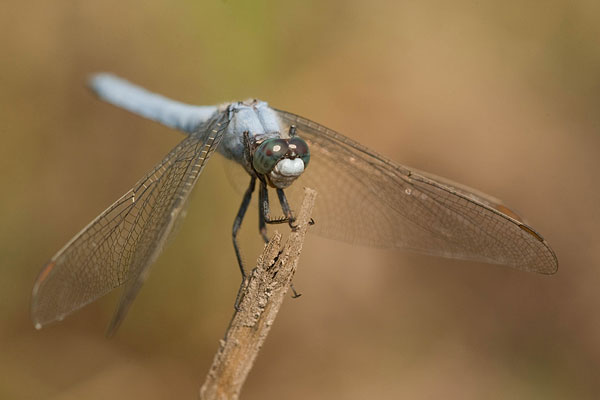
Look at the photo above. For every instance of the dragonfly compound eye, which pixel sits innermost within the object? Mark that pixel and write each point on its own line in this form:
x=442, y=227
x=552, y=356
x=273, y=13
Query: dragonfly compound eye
x=300, y=147
x=268, y=154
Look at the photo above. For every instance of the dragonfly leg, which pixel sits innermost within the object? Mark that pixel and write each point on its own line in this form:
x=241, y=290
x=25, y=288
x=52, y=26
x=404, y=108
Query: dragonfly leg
x=263, y=203
x=237, y=223
x=295, y=294
x=287, y=211
x=265, y=210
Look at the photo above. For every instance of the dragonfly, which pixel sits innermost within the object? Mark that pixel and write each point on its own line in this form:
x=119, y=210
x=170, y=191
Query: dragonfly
x=364, y=198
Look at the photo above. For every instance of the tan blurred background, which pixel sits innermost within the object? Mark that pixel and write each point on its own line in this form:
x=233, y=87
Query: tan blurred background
x=502, y=96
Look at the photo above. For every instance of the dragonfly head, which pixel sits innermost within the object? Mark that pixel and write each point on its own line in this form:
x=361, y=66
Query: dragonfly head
x=280, y=160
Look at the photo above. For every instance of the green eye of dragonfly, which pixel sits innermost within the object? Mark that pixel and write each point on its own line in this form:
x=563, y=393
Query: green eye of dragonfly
x=268, y=154
x=300, y=147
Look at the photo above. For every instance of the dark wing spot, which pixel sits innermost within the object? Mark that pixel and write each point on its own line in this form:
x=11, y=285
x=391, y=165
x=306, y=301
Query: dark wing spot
x=505, y=210
x=532, y=232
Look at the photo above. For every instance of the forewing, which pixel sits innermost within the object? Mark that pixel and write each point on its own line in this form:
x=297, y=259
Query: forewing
x=121, y=243
x=367, y=199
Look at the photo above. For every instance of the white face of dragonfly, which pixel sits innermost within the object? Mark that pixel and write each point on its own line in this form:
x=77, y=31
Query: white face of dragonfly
x=281, y=160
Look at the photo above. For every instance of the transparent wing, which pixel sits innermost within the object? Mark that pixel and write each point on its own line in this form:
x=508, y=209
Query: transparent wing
x=121, y=243
x=367, y=199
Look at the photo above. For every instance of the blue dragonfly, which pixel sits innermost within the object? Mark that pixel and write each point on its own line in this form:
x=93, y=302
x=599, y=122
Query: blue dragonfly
x=364, y=198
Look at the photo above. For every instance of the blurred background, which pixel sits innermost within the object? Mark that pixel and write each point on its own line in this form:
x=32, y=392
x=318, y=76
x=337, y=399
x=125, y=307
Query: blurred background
x=502, y=96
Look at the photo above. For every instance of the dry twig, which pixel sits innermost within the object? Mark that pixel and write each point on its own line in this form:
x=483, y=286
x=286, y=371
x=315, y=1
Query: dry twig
x=262, y=296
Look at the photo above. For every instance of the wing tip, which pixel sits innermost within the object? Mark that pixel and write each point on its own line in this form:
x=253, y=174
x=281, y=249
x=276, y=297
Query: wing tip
x=552, y=268
x=554, y=265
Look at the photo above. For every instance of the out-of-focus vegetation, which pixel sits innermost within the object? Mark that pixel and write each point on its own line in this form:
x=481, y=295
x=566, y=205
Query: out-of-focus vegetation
x=501, y=95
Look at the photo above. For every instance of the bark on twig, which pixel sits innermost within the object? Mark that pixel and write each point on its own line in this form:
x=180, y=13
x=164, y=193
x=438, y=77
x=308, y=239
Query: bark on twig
x=262, y=296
